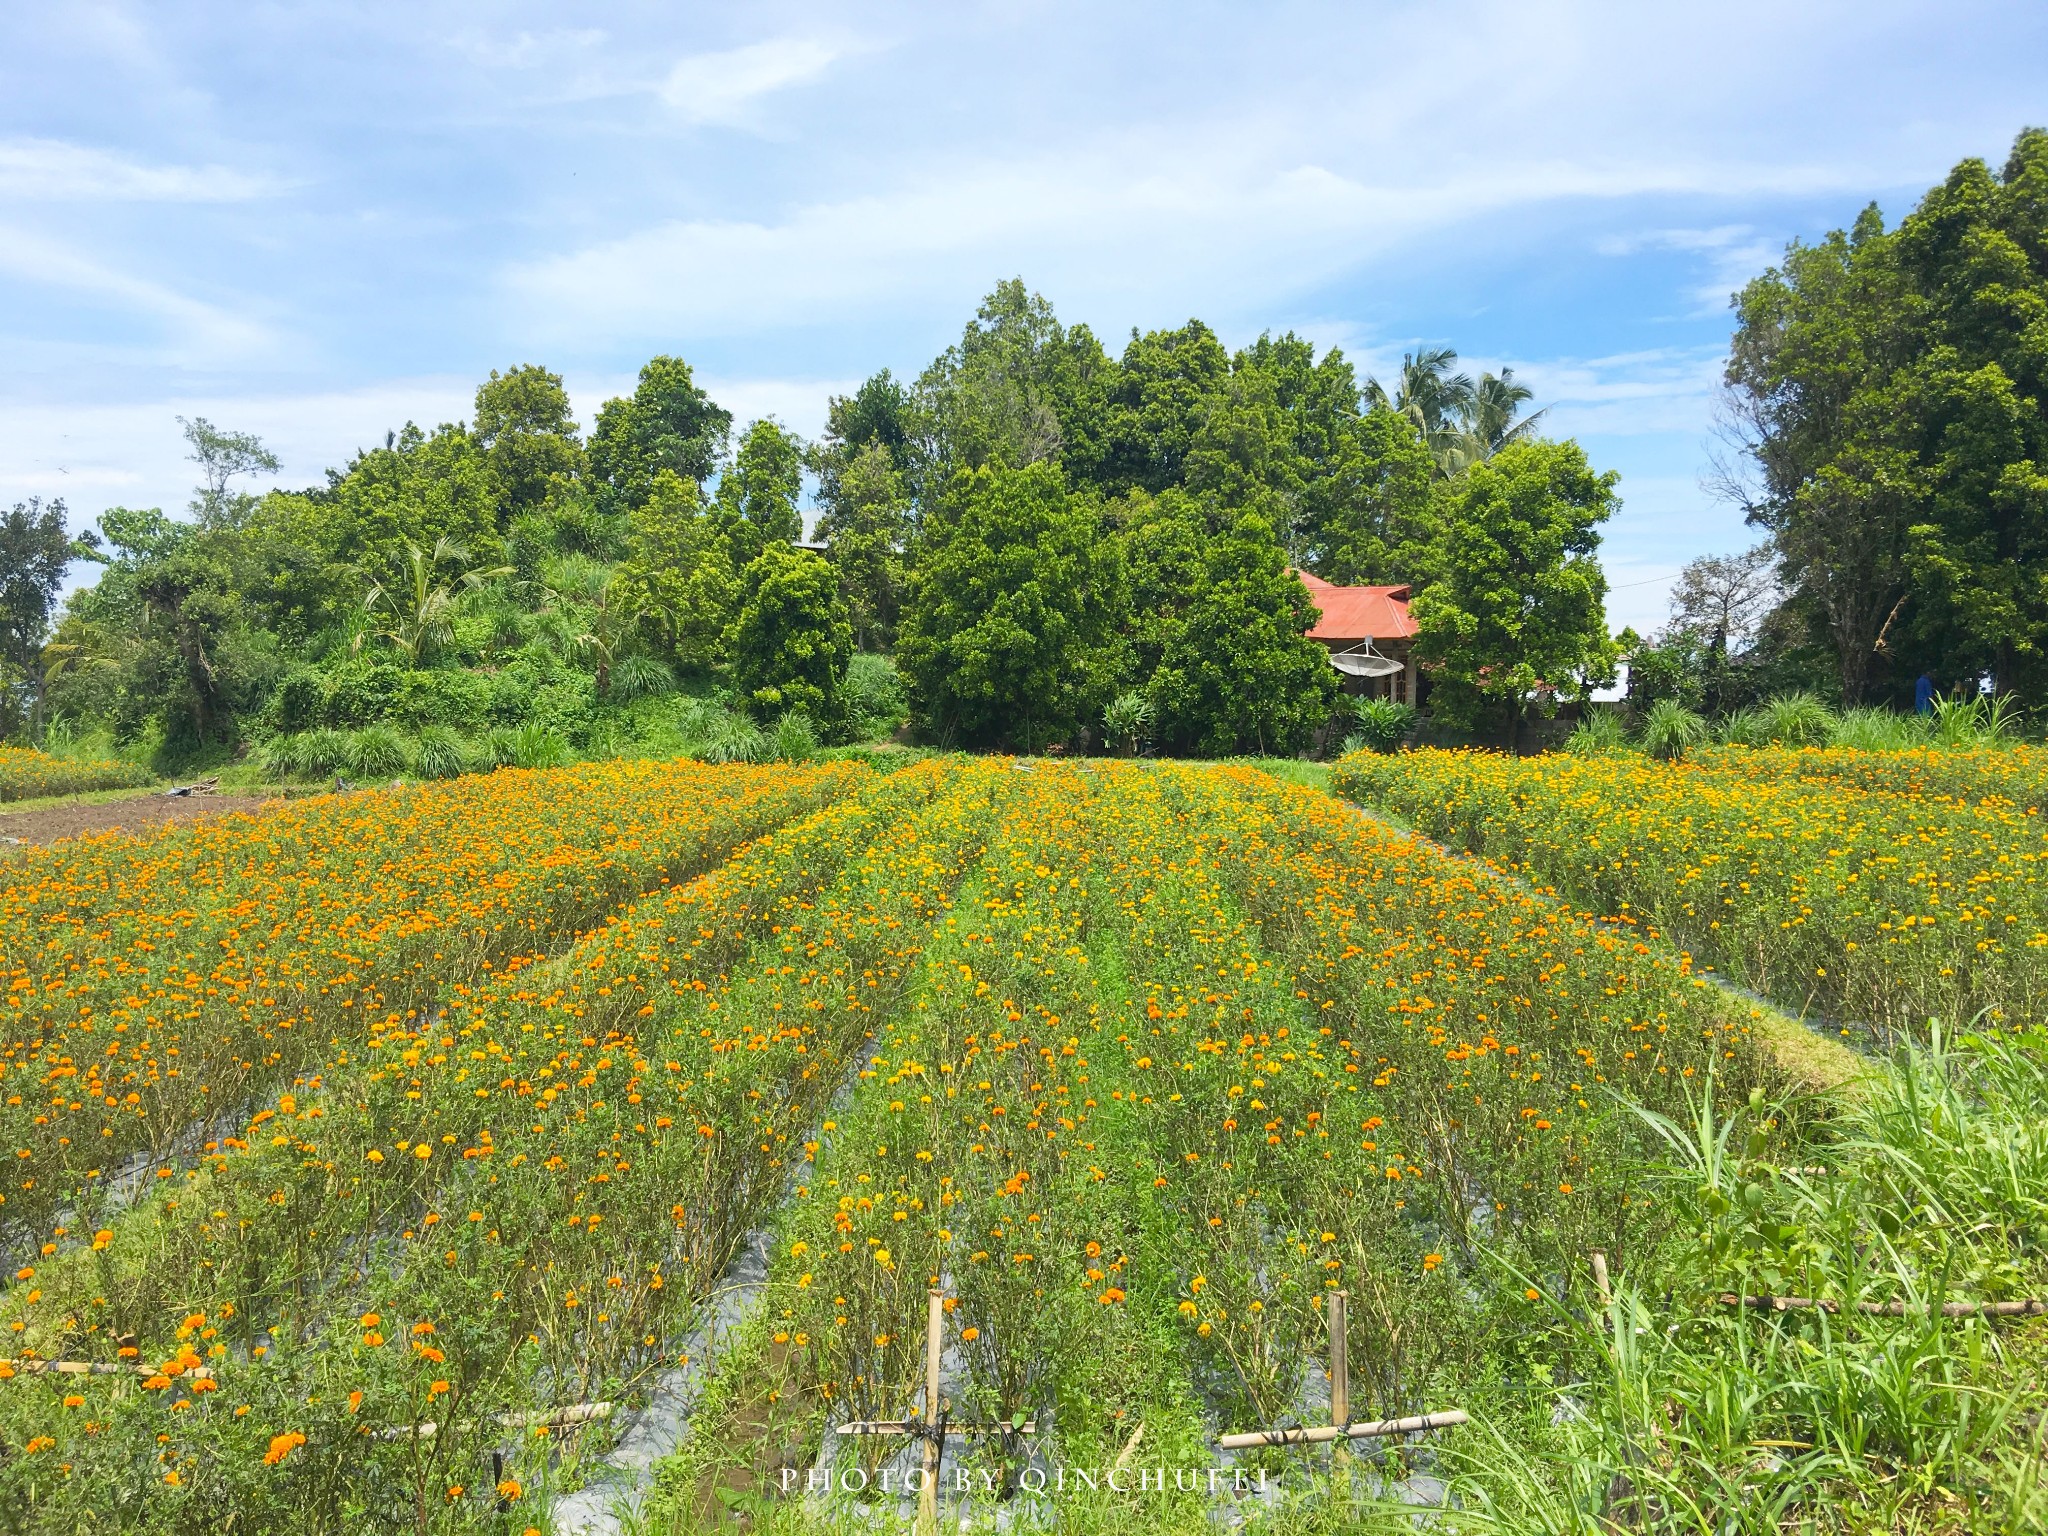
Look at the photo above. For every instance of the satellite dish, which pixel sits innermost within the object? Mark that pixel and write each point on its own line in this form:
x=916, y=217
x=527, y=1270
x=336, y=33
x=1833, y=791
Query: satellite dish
x=1365, y=663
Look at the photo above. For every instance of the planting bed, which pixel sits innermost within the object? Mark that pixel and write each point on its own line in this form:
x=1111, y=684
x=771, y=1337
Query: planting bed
x=369, y=1143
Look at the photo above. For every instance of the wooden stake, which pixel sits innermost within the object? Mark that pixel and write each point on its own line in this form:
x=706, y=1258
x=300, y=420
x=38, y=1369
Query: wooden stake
x=1600, y=1284
x=1340, y=1373
x=1374, y=1430
x=934, y=1347
x=1891, y=1308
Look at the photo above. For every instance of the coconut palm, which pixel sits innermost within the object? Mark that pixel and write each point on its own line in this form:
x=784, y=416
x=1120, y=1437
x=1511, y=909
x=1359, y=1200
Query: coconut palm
x=418, y=615
x=1430, y=395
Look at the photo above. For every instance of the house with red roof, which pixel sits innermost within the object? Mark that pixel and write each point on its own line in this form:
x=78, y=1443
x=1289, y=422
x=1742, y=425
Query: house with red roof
x=1369, y=636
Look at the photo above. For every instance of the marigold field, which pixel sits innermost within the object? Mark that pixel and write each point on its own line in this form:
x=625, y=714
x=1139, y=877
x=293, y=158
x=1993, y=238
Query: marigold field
x=26, y=774
x=356, y=1145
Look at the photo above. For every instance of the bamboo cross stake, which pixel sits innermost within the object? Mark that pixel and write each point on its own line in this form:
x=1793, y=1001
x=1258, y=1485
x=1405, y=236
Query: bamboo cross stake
x=1342, y=1429
x=931, y=1428
x=1891, y=1308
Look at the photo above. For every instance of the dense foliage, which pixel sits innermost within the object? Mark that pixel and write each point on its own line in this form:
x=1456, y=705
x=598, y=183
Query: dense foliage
x=1033, y=528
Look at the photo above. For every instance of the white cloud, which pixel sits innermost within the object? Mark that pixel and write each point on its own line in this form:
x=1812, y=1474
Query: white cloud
x=1735, y=252
x=1136, y=215
x=722, y=87
x=203, y=332
x=52, y=170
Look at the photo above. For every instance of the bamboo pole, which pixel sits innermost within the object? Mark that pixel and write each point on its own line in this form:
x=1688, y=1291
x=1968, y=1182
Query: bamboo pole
x=1600, y=1281
x=1890, y=1308
x=916, y=1426
x=1369, y=1431
x=1340, y=1374
x=934, y=1348
x=96, y=1368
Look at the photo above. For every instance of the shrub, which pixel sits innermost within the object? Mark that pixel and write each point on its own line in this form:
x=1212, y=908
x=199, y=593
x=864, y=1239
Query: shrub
x=361, y=692
x=499, y=748
x=1670, y=730
x=1964, y=721
x=1125, y=721
x=1796, y=720
x=447, y=697
x=736, y=741
x=439, y=754
x=1383, y=725
x=540, y=746
x=376, y=752
x=795, y=738
x=1878, y=730
x=872, y=696
x=299, y=700
x=1599, y=732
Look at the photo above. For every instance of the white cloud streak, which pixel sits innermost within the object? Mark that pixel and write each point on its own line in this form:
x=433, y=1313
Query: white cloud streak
x=52, y=170
x=203, y=332
x=723, y=87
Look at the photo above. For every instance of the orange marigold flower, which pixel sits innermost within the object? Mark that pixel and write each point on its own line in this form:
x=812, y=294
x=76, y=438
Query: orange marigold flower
x=282, y=1446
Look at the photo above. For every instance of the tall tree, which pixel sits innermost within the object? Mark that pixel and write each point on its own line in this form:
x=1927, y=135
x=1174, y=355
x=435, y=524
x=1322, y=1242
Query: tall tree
x=758, y=491
x=867, y=528
x=1018, y=388
x=1517, y=604
x=524, y=425
x=1890, y=392
x=667, y=423
x=1009, y=632
x=678, y=575
x=791, y=641
x=35, y=549
x=1219, y=629
x=223, y=458
x=1156, y=398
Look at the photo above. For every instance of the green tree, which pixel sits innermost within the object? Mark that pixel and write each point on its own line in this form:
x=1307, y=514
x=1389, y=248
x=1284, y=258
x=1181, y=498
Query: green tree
x=1890, y=388
x=35, y=550
x=1009, y=632
x=1018, y=388
x=667, y=423
x=1379, y=523
x=418, y=616
x=791, y=642
x=678, y=575
x=223, y=458
x=1219, y=631
x=1156, y=397
x=1517, y=606
x=528, y=435
x=866, y=528
x=757, y=493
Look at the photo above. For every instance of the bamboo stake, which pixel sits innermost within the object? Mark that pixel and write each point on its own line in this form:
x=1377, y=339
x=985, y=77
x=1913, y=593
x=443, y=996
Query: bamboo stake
x=917, y=1426
x=1600, y=1283
x=934, y=1346
x=573, y=1415
x=1340, y=1374
x=1370, y=1431
x=1890, y=1308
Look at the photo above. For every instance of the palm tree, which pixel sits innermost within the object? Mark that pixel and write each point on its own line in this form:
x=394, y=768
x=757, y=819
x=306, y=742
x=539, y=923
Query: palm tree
x=419, y=616
x=1461, y=422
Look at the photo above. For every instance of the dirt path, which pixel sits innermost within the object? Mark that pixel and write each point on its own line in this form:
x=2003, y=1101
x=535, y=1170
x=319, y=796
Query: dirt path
x=49, y=823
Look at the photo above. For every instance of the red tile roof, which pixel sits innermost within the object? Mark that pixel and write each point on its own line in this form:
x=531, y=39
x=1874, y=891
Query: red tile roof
x=1358, y=613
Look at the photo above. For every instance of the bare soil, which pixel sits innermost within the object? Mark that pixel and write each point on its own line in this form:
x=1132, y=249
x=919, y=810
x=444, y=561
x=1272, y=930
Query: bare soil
x=51, y=823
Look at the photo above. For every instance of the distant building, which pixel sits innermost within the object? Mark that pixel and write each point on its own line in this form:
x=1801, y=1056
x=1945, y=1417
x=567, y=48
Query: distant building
x=1369, y=635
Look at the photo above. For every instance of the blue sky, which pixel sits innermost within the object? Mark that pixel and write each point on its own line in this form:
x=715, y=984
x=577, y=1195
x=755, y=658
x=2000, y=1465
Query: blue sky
x=317, y=221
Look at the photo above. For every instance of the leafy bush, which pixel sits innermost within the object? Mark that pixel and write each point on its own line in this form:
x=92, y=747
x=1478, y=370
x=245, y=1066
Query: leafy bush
x=872, y=696
x=1670, y=730
x=1794, y=720
x=1599, y=732
x=499, y=747
x=439, y=754
x=1383, y=725
x=1125, y=721
x=376, y=752
x=1878, y=730
x=441, y=697
x=540, y=746
x=361, y=691
x=299, y=701
x=795, y=738
x=323, y=754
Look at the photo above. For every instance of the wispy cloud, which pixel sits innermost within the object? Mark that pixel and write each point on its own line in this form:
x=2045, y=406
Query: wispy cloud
x=55, y=171
x=1734, y=253
x=204, y=332
x=723, y=87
